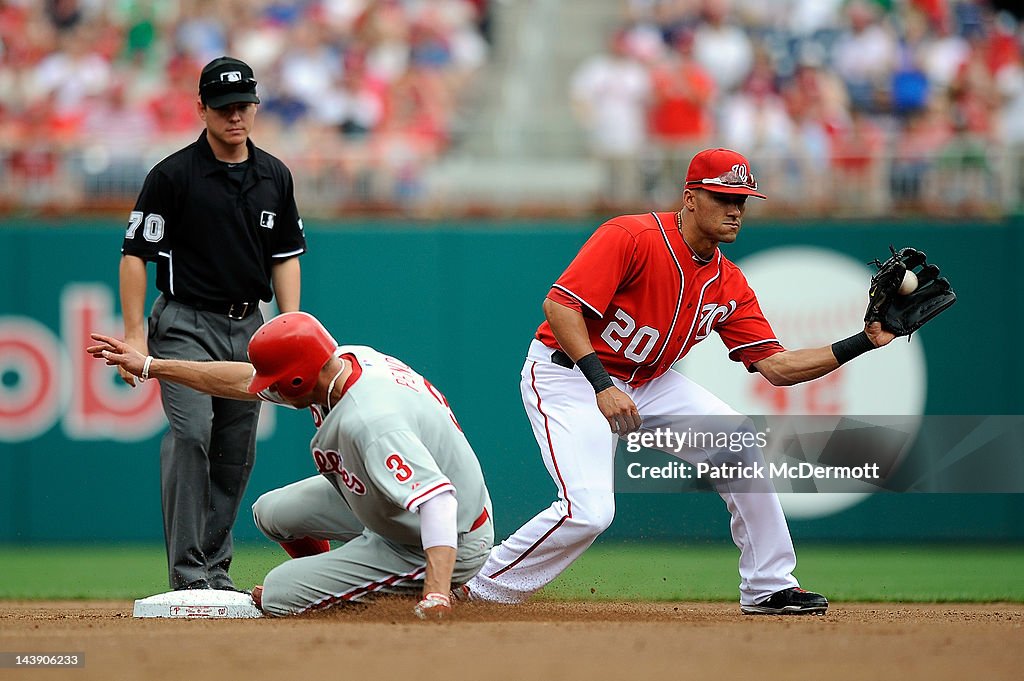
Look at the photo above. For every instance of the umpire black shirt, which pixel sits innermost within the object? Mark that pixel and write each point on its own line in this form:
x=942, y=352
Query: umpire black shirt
x=215, y=239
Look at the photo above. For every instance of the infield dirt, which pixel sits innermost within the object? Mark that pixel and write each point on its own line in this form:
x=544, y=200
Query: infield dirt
x=561, y=641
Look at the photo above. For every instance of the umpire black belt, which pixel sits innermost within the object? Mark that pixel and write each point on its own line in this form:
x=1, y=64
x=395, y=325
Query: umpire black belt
x=232, y=310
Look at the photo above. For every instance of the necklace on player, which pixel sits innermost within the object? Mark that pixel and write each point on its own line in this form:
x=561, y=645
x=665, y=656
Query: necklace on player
x=693, y=254
x=330, y=386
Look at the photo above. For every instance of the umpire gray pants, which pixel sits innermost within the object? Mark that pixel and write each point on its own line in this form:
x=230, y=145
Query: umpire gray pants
x=208, y=451
x=365, y=564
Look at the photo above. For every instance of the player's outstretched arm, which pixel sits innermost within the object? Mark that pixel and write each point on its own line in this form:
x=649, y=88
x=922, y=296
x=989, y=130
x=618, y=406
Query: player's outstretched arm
x=790, y=367
x=220, y=379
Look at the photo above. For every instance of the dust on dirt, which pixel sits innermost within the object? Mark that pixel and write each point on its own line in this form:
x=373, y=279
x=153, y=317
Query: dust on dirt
x=568, y=641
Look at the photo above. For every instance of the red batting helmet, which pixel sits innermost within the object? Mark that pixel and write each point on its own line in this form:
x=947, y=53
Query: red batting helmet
x=289, y=351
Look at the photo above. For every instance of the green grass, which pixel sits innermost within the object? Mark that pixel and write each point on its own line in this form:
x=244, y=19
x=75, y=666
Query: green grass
x=607, y=571
x=116, y=571
x=843, y=572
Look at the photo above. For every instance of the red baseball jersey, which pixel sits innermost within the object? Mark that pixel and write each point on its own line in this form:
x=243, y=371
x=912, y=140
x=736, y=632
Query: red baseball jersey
x=646, y=302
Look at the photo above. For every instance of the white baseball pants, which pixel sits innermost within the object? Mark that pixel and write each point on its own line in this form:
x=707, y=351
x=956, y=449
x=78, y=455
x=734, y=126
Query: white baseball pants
x=578, y=449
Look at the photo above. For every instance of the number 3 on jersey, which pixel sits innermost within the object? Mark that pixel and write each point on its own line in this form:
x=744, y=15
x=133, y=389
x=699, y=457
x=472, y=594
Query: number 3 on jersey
x=621, y=328
x=397, y=464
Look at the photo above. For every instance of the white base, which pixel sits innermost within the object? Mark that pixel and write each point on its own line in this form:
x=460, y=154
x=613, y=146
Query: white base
x=198, y=604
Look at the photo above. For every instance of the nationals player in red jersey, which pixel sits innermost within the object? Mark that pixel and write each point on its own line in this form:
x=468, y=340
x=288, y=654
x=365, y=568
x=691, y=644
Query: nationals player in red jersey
x=640, y=293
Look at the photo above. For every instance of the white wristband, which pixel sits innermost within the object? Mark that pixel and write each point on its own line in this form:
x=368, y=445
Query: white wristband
x=145, y=368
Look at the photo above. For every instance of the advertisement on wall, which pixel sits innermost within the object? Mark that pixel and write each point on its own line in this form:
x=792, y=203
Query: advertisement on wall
x=79, y=449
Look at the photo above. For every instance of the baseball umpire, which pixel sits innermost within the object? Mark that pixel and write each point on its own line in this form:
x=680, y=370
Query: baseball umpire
x=640, y=293
x=399, y=484
x=219, y=220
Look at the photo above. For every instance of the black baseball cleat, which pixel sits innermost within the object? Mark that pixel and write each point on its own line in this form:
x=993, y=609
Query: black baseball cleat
x=228, y=587
x=198, y=584
x=223, y=583
x=792, y=601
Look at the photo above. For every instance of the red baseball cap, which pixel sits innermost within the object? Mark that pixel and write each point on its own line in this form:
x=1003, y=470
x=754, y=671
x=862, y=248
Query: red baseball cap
x=723, y=171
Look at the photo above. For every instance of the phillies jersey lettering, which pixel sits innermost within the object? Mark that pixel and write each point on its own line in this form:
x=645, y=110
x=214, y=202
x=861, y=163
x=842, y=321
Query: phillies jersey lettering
x=330, y=463
x=390, y=443
x=646, y=302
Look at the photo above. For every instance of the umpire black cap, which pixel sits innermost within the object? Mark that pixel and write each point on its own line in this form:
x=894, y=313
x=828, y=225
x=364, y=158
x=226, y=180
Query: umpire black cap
x=227, y=81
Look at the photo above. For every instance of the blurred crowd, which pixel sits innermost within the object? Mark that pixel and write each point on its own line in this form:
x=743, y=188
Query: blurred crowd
x=859, y=106
x=365, y=92
x=872, y=106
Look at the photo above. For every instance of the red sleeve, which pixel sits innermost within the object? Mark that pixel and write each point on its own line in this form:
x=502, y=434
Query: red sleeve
x=594, y=275
x=746, y=332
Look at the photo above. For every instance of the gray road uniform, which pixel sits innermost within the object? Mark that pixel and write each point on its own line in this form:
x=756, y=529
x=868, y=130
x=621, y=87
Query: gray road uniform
x=390, y=444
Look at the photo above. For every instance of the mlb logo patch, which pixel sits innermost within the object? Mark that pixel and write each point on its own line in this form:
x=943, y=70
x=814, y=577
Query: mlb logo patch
x=231, y=77
x=267, y=219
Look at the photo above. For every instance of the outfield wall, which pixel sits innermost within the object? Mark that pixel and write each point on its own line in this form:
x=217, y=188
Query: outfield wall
x=78, y=451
